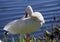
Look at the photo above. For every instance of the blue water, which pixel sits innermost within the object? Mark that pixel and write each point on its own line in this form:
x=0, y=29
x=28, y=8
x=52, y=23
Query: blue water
x=15, y=9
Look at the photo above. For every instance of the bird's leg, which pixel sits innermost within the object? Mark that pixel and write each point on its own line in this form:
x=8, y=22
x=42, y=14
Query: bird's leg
x=28, y=38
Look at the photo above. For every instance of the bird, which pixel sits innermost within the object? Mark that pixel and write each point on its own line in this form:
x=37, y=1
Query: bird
x=29, y=23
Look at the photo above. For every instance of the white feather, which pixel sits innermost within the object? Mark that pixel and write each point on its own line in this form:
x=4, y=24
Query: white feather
x=0, y=41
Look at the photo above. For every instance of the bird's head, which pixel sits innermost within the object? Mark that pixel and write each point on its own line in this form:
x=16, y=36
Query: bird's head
x=37, y=16
x=29, y=11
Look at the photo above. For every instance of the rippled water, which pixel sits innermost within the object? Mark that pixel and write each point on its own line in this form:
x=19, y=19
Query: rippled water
x=15, y=9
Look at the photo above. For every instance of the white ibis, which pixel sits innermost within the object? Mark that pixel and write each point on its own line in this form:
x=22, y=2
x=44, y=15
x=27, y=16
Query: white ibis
x=31, y=22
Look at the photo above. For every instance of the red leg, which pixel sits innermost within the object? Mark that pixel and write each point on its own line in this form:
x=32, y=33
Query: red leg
x=28, y=38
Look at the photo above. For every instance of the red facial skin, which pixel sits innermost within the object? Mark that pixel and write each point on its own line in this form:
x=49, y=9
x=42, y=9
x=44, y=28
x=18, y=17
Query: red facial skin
x=26, y=15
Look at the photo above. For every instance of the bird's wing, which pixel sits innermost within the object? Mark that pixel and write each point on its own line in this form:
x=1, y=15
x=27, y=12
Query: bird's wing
x=15, y=25
x=10, y=24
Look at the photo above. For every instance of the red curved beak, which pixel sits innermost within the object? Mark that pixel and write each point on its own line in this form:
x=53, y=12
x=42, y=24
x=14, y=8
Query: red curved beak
x=26, y=15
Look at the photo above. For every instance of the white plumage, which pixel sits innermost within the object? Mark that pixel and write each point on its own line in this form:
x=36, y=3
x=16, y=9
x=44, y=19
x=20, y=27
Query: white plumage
x=31, y=22
x=0, y=41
